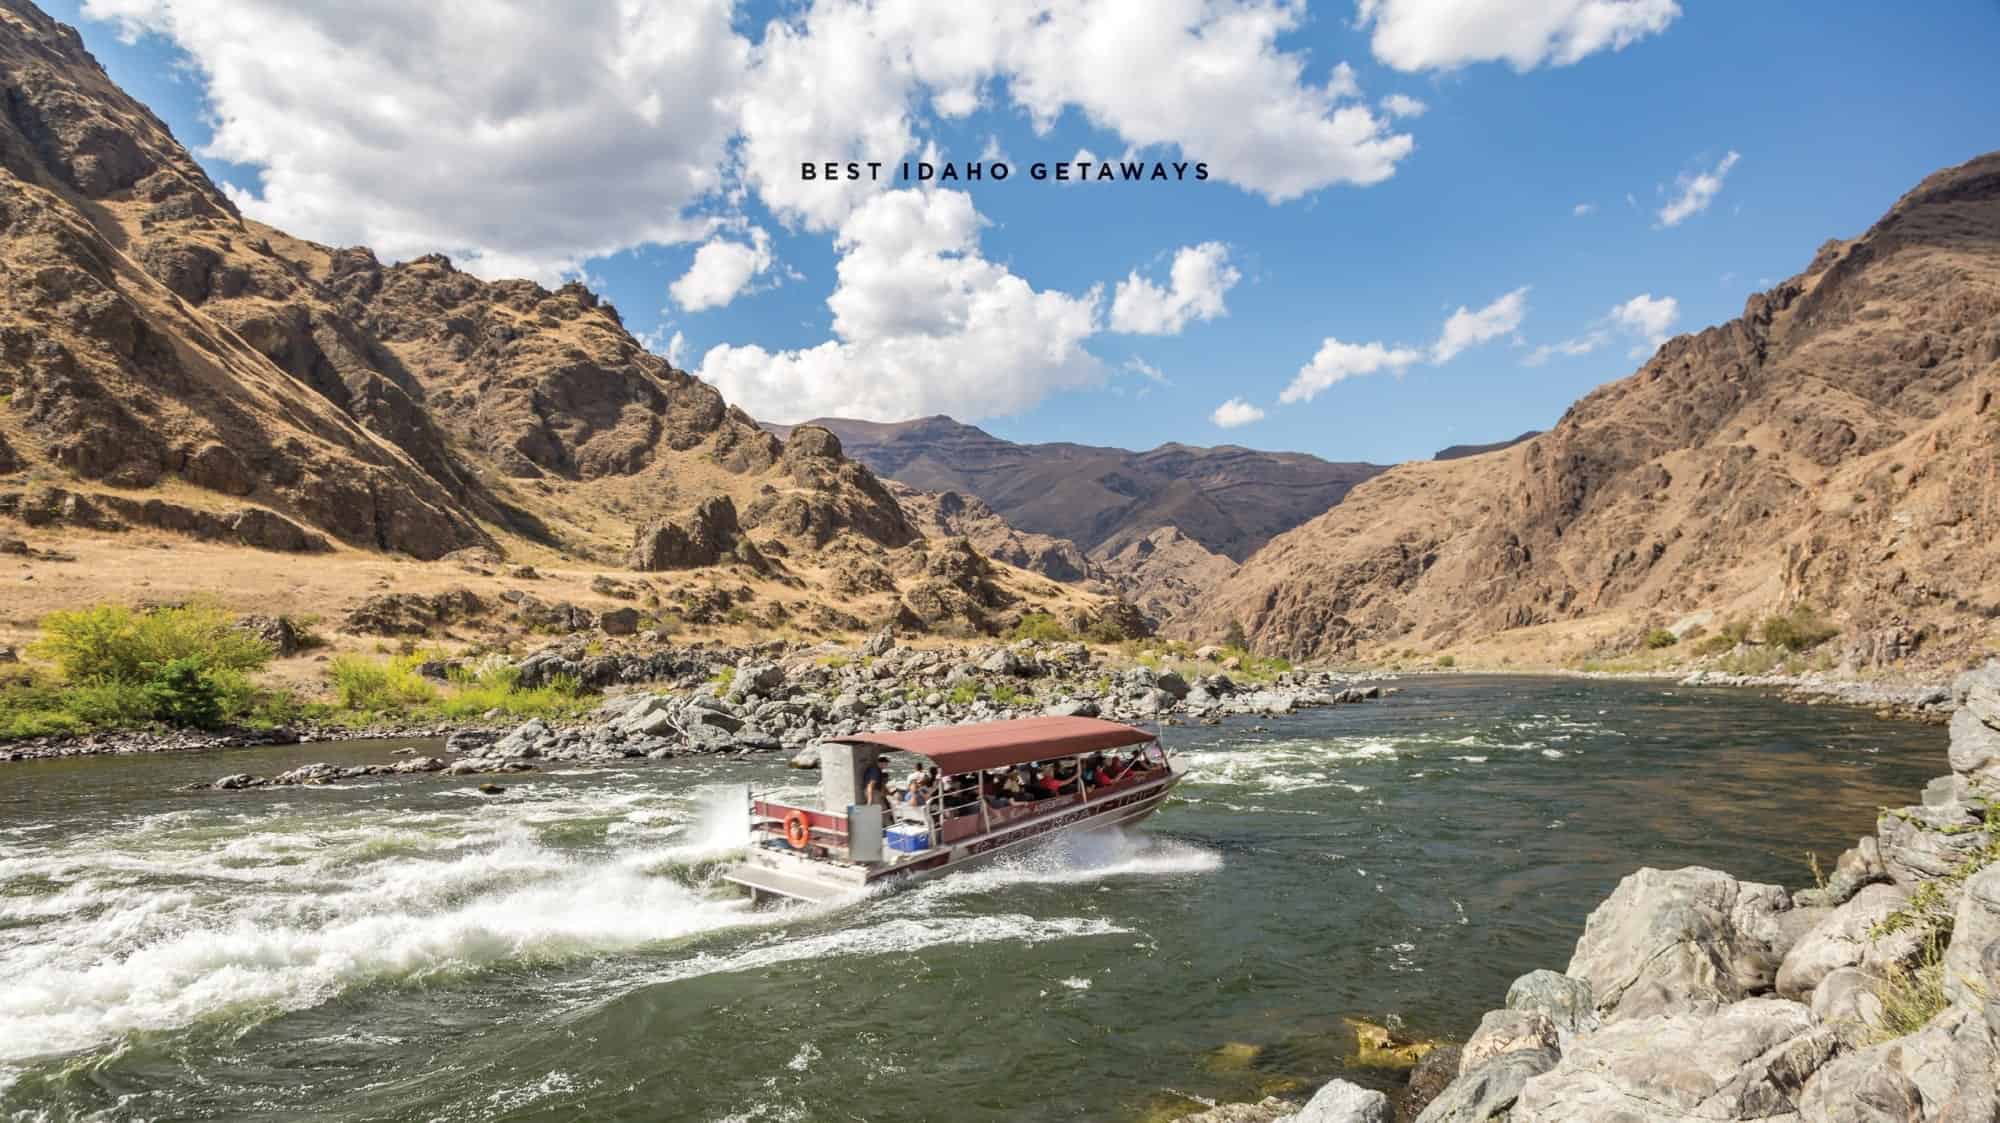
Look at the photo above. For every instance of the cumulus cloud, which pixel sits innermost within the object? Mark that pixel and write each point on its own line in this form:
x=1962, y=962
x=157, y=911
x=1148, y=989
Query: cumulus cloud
x=1336, y=361
x=527, y=138
x=922, y=323
x=1403, y=105
x=1415, y=35
x=1197, y=280
x=1467, y=328
x=1694, y=191
x=1645, y=319
x=521, y=138
x=721, y=270
x=1235, y=412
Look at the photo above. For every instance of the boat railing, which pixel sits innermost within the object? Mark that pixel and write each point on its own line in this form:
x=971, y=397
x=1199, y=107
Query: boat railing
x=823, y=828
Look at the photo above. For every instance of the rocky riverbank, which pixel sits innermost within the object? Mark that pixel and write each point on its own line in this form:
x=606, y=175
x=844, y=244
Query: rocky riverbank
x=1873, y=997
x=783, y=700
x=662, y=700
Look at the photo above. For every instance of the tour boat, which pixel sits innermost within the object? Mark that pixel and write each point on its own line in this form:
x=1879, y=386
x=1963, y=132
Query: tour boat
x=847, y=845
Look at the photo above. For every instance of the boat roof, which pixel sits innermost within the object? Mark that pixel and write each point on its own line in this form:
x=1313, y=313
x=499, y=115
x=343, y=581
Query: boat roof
x=996, y=744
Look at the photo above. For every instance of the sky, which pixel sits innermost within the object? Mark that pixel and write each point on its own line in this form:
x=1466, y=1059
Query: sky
x=1423, y=222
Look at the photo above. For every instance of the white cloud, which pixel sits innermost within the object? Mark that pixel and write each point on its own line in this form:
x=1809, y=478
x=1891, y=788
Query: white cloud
x=1648, y=318
x=1403, y=105
x=721, y=270
x=1146, y=370
x=1694, y=191
x=922, y=324
x=1199, y=277
x=1467, y=328
x=1445, y=34
x=1336, y=361
x=1235, y=412
x=521, y=138
x=1582, y=209
x=1644, y=319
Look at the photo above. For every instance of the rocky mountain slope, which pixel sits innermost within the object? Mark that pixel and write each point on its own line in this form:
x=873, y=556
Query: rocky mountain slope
x=166, y=362
x=1835, y=447
x=1228, y=499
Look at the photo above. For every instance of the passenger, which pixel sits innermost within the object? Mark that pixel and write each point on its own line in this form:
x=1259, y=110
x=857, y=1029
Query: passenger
x=1047, y=784
x=920, y=789
x=1114, y=771
x=1013, y=790
x=875, y=782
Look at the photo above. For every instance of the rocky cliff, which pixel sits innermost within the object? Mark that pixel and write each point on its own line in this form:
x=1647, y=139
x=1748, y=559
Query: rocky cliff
x=1228, y=499
x=166, y=362
x=1835, y=446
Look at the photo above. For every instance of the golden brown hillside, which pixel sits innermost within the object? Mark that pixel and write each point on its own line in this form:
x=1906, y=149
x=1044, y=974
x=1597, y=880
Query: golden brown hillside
x=1834, y=447
x=168, y=365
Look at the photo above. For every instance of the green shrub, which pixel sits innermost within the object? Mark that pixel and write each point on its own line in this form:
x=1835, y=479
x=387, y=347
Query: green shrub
x=1233, y=635
x=1801, y=629
x=113, y=643
x=1715, y=644
x=182, y=692
x=1043, y=628
x=1007, y=694
x=724, y=678
x=1447, y=660
x=363, y=686
x=964, y=694
x=1661, y=637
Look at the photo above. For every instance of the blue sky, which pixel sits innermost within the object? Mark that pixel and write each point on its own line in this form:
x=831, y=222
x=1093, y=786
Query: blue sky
x=1830, y=109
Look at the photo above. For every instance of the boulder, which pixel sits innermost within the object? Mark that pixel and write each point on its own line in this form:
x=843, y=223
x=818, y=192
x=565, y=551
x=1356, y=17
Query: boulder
x=1943, y=1072
x=1338, y=1101
x=1919, y=843
x=1975, y=930
x=1975, y=746
x=1561, y=999
x=277, y=632
x=1172, y=683
x=807, y=757
x=1686, y=939
x=699, y=538
x=1859, y=865
x=879, y=644
x=1507, y=1031
x=237, y=782
x=1849, y=996
x=1746, y=1061
x=619, y=622
x=1075, y=707
x=1843, y=939
x=1488, y=1091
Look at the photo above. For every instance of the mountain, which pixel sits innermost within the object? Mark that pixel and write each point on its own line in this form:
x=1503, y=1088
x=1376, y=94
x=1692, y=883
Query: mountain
x=1229, y=500
x=166, y=362
x=1834, y=447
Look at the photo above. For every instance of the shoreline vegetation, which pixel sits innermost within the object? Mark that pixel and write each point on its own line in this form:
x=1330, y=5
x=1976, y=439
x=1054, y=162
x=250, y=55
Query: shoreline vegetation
x=110, y=678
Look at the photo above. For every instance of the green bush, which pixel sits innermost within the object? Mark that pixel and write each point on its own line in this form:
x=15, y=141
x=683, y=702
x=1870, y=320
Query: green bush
x=1007, y=694
x=1041, y=627
x=184, y=693
x=363, y=686
x=964, y=694
x=113, y=643
x=1447, y=660
x=1661, y=637
x=1801, y=629
x=1233, y=635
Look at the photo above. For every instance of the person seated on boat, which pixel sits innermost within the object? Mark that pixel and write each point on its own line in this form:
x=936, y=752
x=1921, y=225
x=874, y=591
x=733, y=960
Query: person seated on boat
x=1139, y=763
x=1012, y=790
x=1047, y=783
x=918, y=791
x=1114, y=770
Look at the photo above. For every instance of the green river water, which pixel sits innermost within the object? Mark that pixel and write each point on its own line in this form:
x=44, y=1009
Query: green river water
x=413, y=950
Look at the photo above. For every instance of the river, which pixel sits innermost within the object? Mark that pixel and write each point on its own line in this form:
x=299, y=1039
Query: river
x=412, y=949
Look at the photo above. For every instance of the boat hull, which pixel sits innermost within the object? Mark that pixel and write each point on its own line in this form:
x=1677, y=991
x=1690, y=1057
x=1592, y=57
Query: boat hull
x=774, y=873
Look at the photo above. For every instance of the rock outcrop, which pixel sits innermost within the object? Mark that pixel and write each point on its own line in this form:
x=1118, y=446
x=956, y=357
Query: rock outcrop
x=1834, y=446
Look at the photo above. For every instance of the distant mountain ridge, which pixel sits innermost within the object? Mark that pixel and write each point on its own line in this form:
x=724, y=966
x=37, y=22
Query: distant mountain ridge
x=1228, y=499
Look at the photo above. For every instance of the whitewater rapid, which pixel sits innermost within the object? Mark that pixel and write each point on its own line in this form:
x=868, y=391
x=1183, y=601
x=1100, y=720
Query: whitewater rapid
x=240, y=911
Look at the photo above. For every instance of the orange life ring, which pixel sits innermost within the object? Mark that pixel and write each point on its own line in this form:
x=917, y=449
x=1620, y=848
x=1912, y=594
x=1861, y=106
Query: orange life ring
x=797, y=831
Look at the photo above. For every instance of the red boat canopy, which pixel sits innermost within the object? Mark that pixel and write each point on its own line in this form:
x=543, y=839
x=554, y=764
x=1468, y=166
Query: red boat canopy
x=996, y=744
